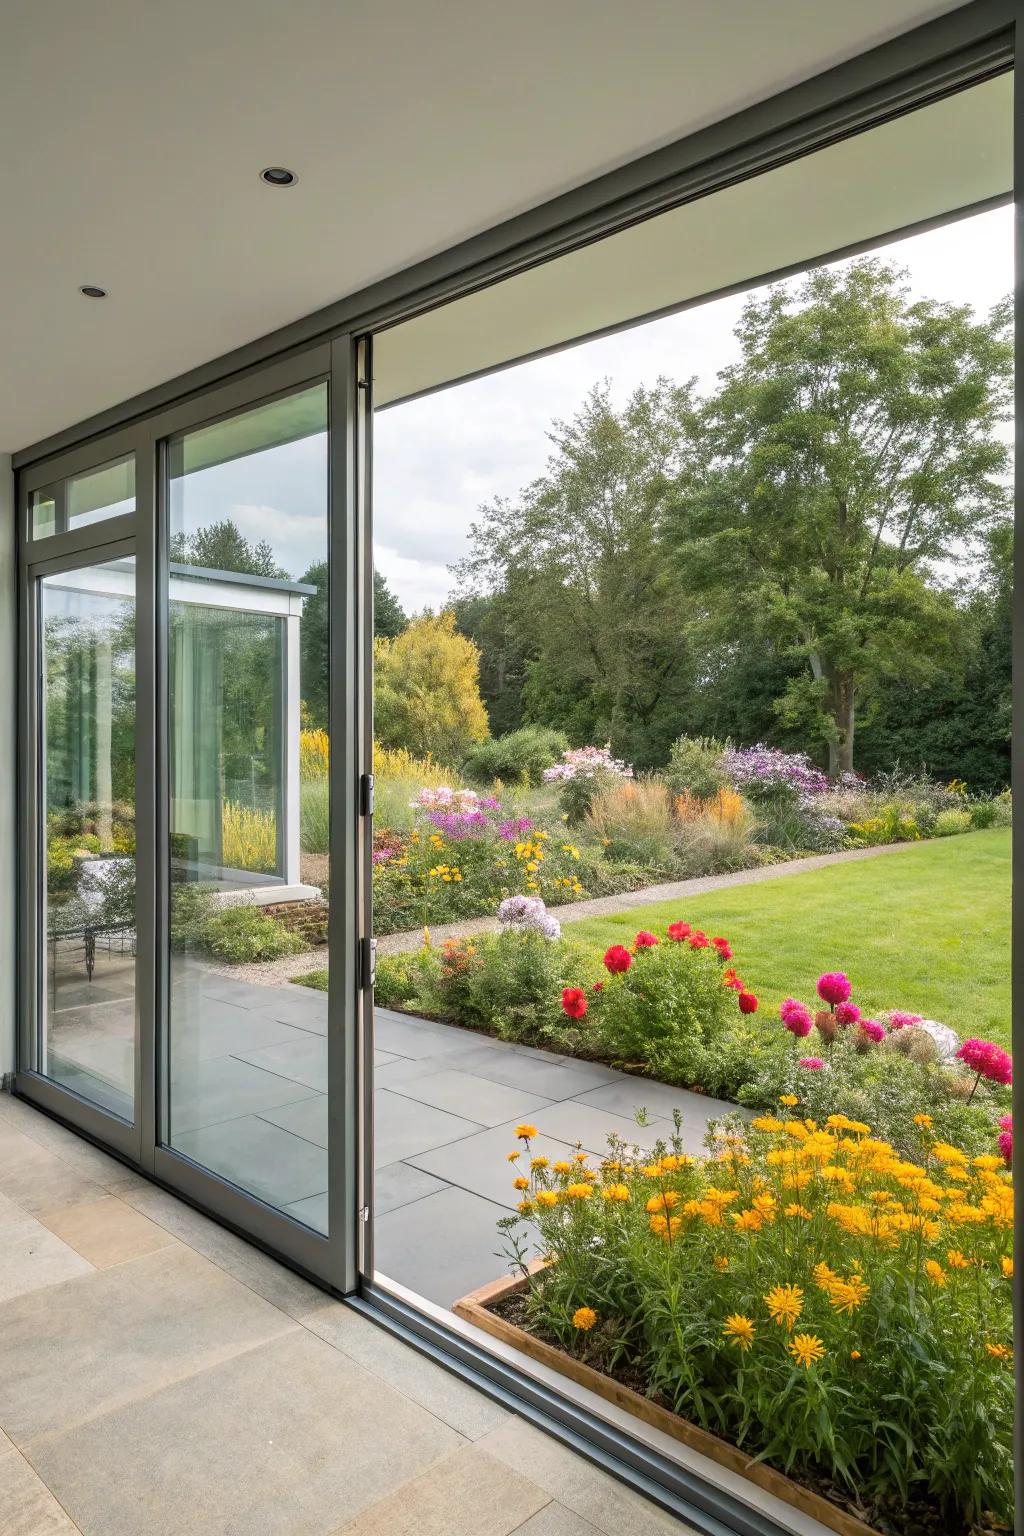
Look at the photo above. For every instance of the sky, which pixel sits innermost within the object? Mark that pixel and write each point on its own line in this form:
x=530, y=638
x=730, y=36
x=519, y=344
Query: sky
x=437, y=460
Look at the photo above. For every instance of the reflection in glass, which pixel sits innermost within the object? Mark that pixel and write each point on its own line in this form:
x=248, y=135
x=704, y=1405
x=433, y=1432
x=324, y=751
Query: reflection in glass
x=247, y=702
x=87, y=1013
x=89, y=498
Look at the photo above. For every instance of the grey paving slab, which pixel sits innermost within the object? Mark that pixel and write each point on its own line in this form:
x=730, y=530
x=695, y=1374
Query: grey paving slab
x=480, y=1165
x=490, y=1103
x=534, y=1072
x=449, y=1242
x=205, y=1092
x=586, y=1123
x=302, y=1058
x=301, y=1006
x=224, y=1029
x=398, y=1184
x=403, y=1127
x=631, y=1093
x=313, y=1212
x=307, y=1118
x=269, y=1162
x=292, y=1438
x=411, y=1037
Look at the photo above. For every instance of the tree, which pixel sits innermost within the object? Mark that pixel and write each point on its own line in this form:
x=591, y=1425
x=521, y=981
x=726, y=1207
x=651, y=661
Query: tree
x=852, y=449
x=388, y=615
x=590, y=607
x=427, y=690
x=222, y=547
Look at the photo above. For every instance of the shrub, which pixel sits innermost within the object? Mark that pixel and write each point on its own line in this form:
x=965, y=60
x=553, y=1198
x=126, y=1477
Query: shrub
x=317, y=980
x=314, y=756
x=890, y=826
x=248, y=838
x=789, y=1293
x=634, y=822
x=427, y=689
x=1002, y=805
x=399, y=979
x=315, y=816
x=695, y=767
x=715, y=840
x=582, y=774
x=982, y=814
x=191, y=905
x=62, y=867
x=243, y=933
x=950, y=823
x=518, y=758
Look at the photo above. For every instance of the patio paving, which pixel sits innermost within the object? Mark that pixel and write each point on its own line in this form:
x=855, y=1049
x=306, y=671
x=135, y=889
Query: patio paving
x=249, y=1069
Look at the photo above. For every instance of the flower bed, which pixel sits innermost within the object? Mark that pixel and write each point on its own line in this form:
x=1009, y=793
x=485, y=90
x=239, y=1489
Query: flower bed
x=824, y=1302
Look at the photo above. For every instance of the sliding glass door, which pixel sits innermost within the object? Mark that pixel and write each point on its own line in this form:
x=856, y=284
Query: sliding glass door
x=192, y=745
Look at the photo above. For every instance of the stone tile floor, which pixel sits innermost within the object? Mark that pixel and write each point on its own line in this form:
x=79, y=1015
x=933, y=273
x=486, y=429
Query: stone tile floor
x=249, y=1070
x=160, y=1377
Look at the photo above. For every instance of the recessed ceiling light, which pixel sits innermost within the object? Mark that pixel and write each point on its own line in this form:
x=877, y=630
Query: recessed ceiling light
x=278, y=176
x=90, y=291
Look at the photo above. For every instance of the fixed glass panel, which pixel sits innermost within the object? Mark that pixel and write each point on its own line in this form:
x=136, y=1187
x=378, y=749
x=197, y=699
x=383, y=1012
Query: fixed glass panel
x=87, y=1002
x=248, y=750
x=89, y=498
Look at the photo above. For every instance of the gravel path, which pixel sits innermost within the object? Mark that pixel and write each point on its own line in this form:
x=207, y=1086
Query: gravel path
x=271, y=973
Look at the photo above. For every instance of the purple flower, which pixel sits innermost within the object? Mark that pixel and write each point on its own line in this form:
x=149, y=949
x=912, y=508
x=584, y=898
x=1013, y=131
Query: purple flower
x=458, y=824
x=530, y=914
x=768, y=770
x=488, y=803
x=512, y=830
x=381, y=855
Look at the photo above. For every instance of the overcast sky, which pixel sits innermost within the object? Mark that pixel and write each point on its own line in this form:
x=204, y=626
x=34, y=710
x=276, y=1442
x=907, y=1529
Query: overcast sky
x=436, y=460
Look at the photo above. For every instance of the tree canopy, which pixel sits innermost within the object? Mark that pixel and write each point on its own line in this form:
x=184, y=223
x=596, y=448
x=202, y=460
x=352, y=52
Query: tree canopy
x=427, y=690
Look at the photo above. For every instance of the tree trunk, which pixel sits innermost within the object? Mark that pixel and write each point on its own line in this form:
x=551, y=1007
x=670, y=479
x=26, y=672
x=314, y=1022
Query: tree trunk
x=840, y=750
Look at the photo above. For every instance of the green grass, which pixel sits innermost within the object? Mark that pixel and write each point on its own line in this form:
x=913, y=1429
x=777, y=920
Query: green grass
x=315, y=979
x=925, y=928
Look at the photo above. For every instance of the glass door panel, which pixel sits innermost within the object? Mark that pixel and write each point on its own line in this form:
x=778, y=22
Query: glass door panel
x=247, y=671
x=88, y=929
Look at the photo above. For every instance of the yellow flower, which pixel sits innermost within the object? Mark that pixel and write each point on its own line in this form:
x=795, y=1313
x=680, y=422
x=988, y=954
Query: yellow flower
x=956, y=1260
x=785, y=1303
x=1007, y=1265
x=524, y=1132
x=747, y=1221
x=999, y=1351
x=935, y=1272
x=547, y=1197
x=652, y=1171
x=854, y=1354
x=561, y=1167
x=618, y=1192
x=765, y=1206
x=789, y=1099
x=663, y=1202
x=578, y=1191
x=924, y=1121
x=806, y=1349
x=666, y=1226
x=584, y=1318
x=799, y=1210
x=525, y=1206
x=767, y=1123
x=578, y=1157
x=847, y=1295
x=989, y=1163
x=520, y=1183
x=513, y=1157
x=721, y=1262
x=739, y=1330
x=947, y=1154
x=538, y=1162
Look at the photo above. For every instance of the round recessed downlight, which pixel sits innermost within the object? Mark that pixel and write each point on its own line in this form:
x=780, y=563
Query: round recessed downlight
x=90, y=291
x=278, y=176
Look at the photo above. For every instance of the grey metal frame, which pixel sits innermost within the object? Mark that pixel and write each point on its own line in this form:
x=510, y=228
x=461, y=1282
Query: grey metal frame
x=962, y=48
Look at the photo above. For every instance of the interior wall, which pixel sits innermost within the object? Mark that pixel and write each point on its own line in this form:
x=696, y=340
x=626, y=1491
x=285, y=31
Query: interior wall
x=8, y=733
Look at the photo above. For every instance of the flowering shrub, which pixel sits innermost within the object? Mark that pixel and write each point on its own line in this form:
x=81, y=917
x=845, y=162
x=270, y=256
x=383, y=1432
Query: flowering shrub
x=529, y=914
x=765, y=771
x=582, y=773
x=832, y=1306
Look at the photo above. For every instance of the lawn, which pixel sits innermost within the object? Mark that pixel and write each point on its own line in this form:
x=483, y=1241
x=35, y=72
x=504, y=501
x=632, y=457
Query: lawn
x=925, y=928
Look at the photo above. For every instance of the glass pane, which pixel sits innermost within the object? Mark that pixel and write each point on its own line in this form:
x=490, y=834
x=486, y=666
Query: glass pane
x=90, y=498
x=247, y=728
x=87, y=1012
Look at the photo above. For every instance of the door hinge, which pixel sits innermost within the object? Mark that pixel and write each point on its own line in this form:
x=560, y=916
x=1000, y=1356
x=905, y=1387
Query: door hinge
x=367, y=964
x=364, y=1213
x=366, y=794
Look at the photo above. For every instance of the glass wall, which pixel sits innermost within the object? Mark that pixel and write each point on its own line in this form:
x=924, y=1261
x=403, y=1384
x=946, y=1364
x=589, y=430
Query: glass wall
x=89, y=498
x=248, y=749
x=87, y=650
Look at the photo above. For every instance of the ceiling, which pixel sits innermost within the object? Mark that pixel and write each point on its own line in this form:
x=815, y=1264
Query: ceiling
x=135, y=132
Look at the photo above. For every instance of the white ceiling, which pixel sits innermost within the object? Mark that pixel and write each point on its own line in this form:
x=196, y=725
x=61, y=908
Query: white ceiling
x=134, y=132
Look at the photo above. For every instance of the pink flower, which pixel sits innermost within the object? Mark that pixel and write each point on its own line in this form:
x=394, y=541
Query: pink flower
x=797, y=1018
x=699, y=940
x=847, y=1013
x=987, y=1059
x=617, y=958
x=747, y=1002
x=1006, y=1122
x=679, y=931
x=724, y=948
x=834, y=987
x=873, y=1030
x=812, y=1063
x=645, y=940
x=900, y=1020
x=1004, y=1142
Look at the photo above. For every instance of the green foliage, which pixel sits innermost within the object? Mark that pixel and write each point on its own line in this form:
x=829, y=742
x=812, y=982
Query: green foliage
x=949, y=823
x=389, y=617
x=983, y=814
x=191, y=905
x=317, y=980
x=667, y=1013
x=243, y=934
x=517, y=758
x=314, y=817
x=890, y=826
x=694, y=767
x=388, y=620
x=399, y=979
x=427, y=694
x=221, y=546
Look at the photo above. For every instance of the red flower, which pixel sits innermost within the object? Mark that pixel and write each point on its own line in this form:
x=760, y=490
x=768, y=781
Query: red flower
x=618, y=958
x=724, y=948
x=747, y=1002
x=732, y=980
x=645, y=940
x=679, y=931
x=598, y=986
x=574, y=1002
x=699, y=940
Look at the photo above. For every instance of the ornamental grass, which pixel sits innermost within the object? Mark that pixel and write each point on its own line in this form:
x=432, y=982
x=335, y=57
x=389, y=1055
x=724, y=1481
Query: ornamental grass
x=802, y=1290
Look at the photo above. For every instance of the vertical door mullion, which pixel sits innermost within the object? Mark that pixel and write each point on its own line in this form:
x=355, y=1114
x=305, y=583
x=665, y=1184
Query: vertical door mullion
x=149, y=928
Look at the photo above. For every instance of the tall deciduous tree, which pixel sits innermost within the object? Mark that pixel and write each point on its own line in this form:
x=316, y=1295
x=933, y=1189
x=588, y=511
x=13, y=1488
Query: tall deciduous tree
x=388, y=619
x=850, y=454
x=427, y=690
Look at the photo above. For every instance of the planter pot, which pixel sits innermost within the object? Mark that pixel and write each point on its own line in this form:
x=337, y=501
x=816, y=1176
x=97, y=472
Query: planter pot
x=476, y=1308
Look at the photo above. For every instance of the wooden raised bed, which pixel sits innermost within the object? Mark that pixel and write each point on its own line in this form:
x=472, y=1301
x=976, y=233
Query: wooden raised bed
x=476, y=1308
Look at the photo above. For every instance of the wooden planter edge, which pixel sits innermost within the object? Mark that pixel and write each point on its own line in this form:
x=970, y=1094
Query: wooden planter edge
x=475, y=1308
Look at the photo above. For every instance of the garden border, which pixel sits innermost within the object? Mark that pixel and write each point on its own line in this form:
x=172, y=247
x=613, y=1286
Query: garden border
x=476, y=1309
